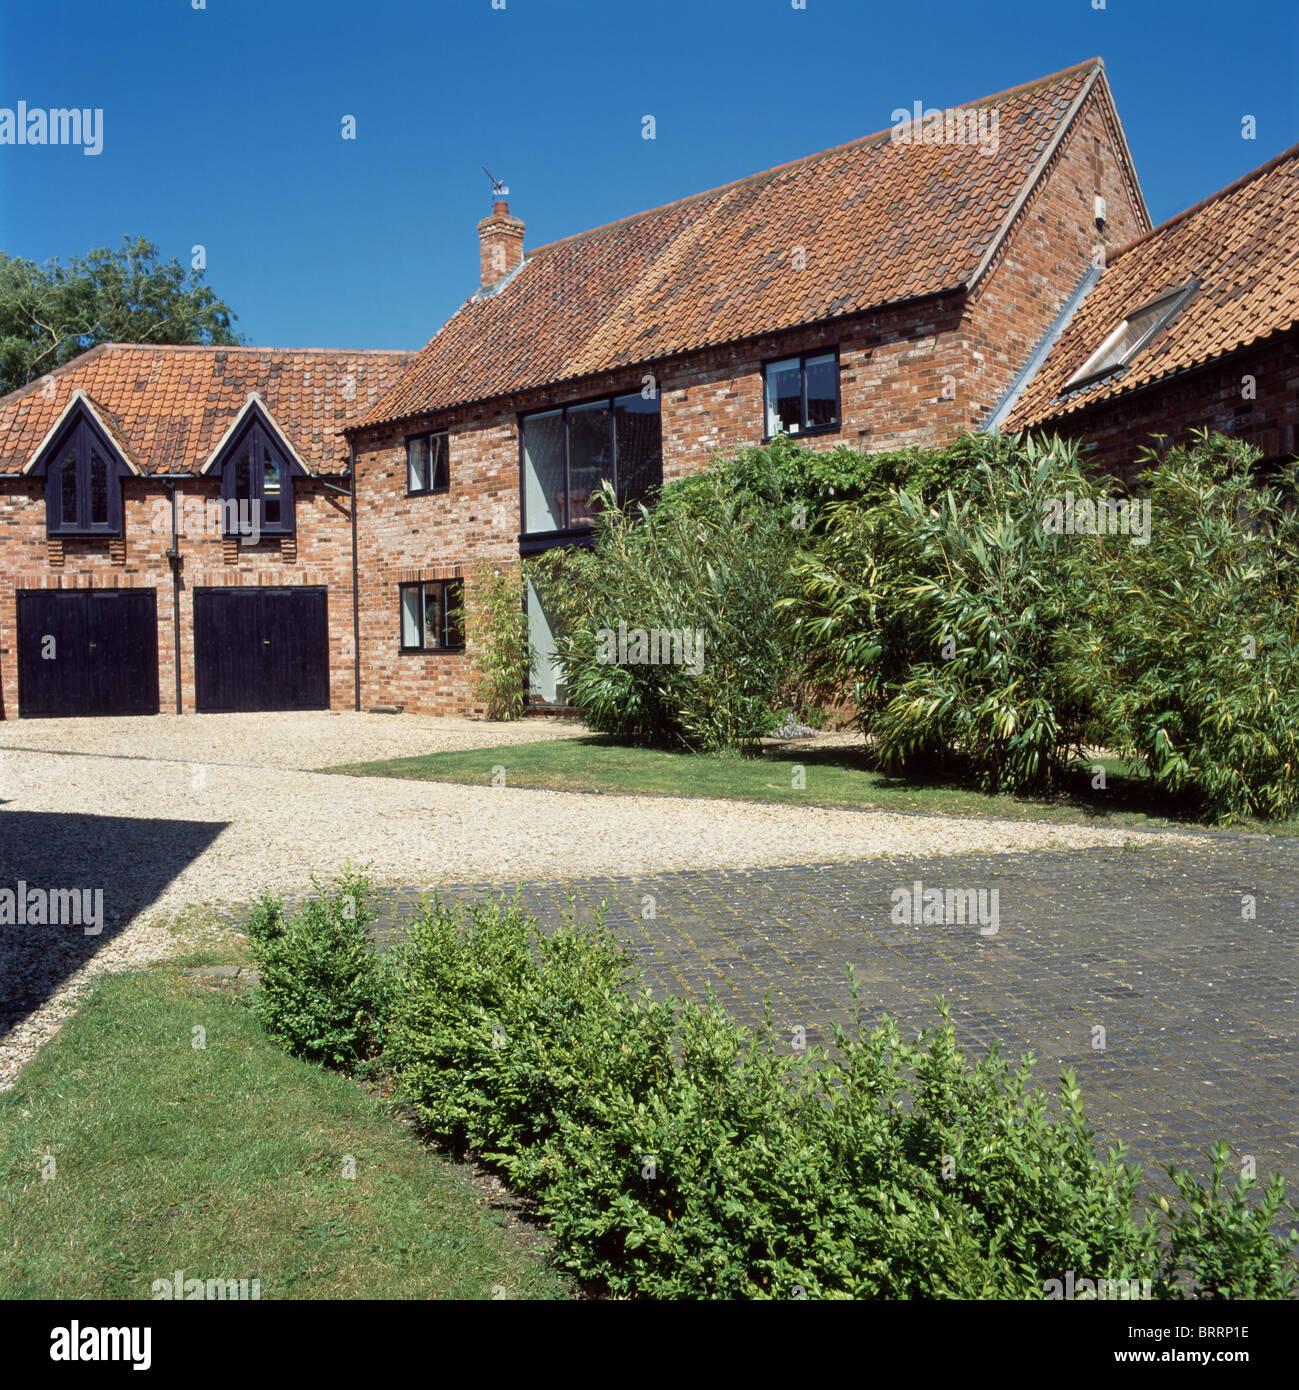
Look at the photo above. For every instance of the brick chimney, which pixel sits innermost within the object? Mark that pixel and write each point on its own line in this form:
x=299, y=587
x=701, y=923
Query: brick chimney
x=500, y=242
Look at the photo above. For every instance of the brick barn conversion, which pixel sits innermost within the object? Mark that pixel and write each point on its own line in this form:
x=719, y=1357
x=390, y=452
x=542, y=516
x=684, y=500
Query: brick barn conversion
x=124, y=586
x=888, y=292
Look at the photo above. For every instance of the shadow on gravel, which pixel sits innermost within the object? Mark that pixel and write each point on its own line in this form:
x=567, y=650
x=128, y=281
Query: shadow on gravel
x=84, y=871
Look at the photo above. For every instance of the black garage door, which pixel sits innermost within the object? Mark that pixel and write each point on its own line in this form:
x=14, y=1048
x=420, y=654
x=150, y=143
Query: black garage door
x=87, y=651
x=261, y=649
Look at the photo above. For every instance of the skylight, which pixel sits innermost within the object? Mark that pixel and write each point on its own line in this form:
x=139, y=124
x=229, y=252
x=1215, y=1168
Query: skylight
x=1131, y=336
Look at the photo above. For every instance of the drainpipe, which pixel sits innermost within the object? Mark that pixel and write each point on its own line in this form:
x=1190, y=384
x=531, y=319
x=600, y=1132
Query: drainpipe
x=174, y=559
x=356, y=593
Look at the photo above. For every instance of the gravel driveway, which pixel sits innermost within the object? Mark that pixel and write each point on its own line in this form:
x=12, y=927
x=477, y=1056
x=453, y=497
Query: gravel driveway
x=216, y=809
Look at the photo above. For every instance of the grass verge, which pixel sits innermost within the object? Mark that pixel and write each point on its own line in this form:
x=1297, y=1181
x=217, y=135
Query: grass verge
x=227, y=1162
x=834, y=776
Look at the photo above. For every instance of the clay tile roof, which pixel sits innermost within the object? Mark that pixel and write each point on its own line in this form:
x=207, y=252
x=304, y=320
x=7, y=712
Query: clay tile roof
x=1242, y=244
x=167, y=407
x=877, y=221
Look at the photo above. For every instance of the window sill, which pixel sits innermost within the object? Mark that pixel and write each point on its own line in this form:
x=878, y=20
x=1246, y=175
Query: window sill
x=66, y=535
x=805, y=434
x=430, y=651
x=428, y=491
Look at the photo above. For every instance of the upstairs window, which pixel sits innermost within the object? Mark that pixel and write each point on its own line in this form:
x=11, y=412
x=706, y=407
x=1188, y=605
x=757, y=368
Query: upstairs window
x=802, y=394
x=428, y=464
x=569, y=454
x=83, y=484
x=1131, y=336
x=257, y=478
x=432, y=616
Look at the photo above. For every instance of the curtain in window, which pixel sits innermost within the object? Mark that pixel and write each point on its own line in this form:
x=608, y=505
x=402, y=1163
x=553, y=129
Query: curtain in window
x=784, y=397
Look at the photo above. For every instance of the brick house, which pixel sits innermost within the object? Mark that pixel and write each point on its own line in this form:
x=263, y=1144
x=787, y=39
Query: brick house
x=176, y=529
x=884, y=293
x=1196, y=323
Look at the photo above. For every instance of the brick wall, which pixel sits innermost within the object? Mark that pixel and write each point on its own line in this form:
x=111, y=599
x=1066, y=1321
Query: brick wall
x=323, y=557
x=1212, y=396
x=1046, y=254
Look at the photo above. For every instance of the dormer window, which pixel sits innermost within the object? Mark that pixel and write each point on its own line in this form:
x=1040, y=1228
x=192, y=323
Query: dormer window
x=257, y=472
x=1131, y=336
x=83, y=479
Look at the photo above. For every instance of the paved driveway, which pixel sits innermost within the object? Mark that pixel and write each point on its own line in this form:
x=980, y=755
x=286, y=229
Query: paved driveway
x=1197, y=1005
x=162, y=812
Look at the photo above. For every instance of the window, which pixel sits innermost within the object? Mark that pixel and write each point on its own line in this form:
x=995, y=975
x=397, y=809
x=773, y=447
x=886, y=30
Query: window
x=567, y=456
x=802, y=394
x=257, y=477
x=432, y=616
x=428, y=467
x=1133, y=334
x=83, y=485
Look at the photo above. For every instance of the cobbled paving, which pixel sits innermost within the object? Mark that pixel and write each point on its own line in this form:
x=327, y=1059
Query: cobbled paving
x=1197, y=1000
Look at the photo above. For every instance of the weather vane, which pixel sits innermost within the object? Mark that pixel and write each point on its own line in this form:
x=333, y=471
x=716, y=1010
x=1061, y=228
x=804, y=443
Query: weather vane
x=499, y=190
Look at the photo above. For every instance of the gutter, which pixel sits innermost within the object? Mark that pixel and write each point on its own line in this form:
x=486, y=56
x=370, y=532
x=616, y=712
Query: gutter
x=175, y=560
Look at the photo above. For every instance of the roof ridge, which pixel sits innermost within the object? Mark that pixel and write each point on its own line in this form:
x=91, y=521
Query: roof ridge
x=857, y=142
x=234, y=347
x=1245, y=179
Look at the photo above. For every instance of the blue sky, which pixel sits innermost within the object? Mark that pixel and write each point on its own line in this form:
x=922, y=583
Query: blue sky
x=222, y=126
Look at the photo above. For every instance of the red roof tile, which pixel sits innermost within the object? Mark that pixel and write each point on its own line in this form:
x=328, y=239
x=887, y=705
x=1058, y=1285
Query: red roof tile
x=877, y=221
x=1242, y=244
x=168, y=407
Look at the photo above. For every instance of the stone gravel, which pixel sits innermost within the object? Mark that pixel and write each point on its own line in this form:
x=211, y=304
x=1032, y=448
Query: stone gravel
x=217, y=809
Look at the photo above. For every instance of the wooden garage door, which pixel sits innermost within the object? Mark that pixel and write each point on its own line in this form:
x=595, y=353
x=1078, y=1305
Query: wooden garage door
x=87, y=651
x=260, y=649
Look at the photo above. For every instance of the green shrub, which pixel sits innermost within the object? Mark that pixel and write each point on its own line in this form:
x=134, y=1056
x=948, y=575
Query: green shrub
x=266, y=920
x=323, y=992
x=499, y=643
x=1185, y=650
x=496, y=1031
x=941, y=618
x=704, y=563
x=677, y=1154
x=1218, y=1240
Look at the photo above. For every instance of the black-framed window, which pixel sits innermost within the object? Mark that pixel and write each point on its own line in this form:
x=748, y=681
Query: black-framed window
x=801, y=394
x=566, y=455
x=257, y=478
x=83, y=484
x=432, y=616
x=428, y=463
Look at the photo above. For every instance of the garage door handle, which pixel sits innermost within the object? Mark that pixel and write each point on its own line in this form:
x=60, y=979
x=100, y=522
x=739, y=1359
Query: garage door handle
x=92, y=646
x=266, y=641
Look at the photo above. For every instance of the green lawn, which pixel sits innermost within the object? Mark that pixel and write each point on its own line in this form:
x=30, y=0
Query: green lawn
x=832, y=777
x=227, y=1163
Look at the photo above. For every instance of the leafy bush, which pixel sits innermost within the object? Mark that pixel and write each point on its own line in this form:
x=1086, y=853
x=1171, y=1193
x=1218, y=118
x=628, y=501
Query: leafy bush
x=678, y=1154
x=942, y=618
x=323, y=993
x=266, y=920
x=705, y=564
x=499, y=640
x=1186, y=652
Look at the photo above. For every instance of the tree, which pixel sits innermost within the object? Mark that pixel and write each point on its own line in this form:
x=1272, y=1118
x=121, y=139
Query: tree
x=50, y=313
